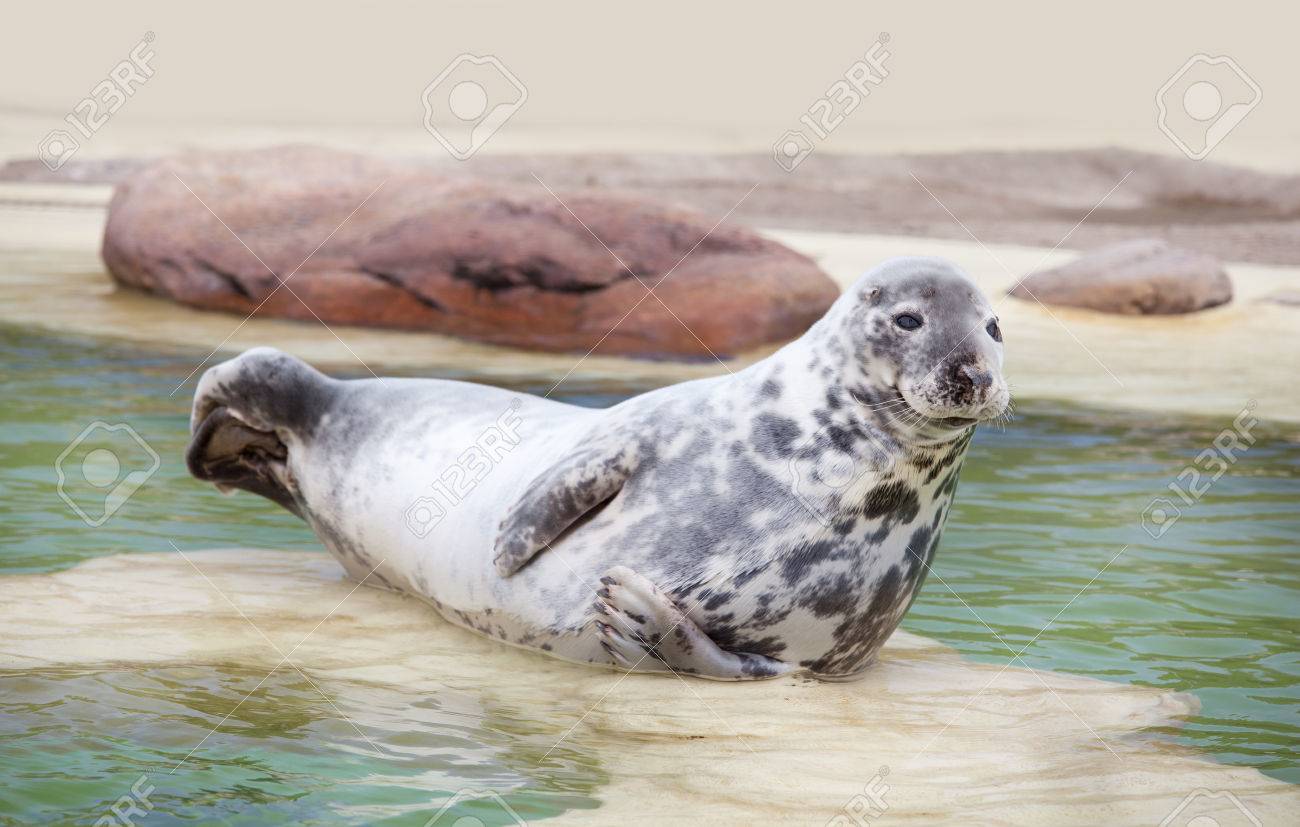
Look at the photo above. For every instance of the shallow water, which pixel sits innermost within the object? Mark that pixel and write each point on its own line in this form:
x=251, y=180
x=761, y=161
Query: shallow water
x=1043, y=506
x=76, y=740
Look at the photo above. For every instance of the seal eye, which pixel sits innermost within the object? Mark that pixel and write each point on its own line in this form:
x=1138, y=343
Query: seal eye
x=907, y=321
x=994, y=330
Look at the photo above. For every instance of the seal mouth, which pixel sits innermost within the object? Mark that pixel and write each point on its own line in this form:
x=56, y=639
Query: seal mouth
x=955, y=423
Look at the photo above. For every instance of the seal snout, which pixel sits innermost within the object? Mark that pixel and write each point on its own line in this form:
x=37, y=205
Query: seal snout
x=973, y=387
x=963, y=390
x=975, y=390
x=975, y=379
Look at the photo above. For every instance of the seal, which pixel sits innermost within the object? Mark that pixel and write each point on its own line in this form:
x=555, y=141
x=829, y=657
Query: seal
x=779, y=519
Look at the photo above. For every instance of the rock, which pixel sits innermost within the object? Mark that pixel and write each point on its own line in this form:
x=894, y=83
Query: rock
x=1023, y=197
x=499, y=263
x=1141, y=277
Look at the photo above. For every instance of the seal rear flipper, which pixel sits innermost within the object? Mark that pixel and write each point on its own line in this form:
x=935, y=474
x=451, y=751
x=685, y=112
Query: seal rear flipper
x=247, y=413
x=560, y=497
x=644, y=630
x=226, y=451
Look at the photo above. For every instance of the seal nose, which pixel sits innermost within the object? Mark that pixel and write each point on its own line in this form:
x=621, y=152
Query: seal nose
x=970, y=383
x=977, y=379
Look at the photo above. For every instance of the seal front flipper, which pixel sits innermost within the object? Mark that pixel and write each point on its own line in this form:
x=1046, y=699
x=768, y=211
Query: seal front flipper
x=642, y=628
x=559, y=497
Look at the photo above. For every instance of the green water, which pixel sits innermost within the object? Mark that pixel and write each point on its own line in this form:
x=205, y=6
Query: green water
x=1209, y=607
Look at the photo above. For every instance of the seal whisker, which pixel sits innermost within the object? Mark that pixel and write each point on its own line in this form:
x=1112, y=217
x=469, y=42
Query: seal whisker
x=896, y=402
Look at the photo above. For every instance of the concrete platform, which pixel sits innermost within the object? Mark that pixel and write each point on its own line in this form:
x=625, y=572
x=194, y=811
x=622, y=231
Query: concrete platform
x=934, y=735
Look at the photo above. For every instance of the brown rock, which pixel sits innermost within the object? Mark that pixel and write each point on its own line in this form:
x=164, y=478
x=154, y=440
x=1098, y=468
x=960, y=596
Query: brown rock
x=1140, y=277
x=499, y=263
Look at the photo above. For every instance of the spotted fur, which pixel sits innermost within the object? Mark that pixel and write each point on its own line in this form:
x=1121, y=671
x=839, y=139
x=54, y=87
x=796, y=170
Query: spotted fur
x=779, y=519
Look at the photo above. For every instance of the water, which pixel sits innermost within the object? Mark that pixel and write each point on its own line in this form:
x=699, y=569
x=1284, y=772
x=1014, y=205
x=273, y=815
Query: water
x=77, y=740
x=1043, y=507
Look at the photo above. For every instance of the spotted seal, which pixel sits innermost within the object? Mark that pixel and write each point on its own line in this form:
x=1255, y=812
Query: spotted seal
x=778, y=519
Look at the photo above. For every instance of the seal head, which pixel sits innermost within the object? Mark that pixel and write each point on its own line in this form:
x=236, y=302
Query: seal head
x=926, y=348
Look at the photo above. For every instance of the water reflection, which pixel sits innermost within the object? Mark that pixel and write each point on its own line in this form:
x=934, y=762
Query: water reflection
x=220, y=743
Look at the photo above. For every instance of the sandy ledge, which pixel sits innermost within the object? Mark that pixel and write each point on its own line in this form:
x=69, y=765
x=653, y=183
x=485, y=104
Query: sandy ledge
x=1032, y=747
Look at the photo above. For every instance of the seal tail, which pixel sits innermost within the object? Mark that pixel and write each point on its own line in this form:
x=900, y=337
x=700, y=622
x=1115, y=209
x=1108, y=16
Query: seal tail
x=248, y=413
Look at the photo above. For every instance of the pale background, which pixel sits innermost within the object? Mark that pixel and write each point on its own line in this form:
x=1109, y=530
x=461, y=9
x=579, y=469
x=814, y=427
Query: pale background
x=668, y=76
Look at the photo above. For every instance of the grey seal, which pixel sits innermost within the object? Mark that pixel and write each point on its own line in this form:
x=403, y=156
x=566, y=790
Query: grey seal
x=779, y=519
